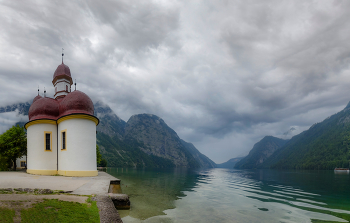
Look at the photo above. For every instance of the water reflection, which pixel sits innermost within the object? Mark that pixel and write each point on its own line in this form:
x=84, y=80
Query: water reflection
x=152, y=191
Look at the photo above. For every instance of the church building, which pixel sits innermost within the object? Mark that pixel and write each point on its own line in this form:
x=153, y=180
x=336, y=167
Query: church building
x=61, y=132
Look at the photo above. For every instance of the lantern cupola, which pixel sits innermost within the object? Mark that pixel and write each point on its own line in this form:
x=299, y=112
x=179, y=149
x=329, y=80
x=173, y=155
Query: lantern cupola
x=62, y=81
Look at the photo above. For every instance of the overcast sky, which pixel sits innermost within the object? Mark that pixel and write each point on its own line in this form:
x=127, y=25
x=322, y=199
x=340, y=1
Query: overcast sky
x=222, y=74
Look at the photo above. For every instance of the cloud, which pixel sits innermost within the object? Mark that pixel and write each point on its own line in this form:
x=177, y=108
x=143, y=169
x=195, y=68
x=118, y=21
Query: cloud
x=8, y=119
x=223, y=74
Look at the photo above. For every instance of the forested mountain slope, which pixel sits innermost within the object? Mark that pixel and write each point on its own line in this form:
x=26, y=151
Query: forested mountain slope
x=203, y=160
x=260, y=152
x=324, y=145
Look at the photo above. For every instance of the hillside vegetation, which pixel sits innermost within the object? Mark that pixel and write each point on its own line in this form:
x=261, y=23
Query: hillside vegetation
x=260, y=152
x=325, y=145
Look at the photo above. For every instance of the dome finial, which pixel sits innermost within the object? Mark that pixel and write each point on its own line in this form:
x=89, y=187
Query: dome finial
x=75, y=85
x=44, y=92
x=62, y=55
x=38, y=89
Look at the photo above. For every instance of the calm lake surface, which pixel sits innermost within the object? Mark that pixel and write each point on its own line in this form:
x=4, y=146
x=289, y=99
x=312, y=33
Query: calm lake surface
x=226, y=195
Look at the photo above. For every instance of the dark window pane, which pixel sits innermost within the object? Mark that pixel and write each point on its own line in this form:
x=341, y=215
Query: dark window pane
x=63, y=140
x=48, y=147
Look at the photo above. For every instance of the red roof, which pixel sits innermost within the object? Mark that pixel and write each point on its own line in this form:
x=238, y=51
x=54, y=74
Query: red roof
x=62, y=71
x=75, y=102
x=36, y=98
x=43, y=108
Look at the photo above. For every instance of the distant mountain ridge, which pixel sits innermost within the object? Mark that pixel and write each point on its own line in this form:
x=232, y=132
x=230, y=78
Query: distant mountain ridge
x=144, y=141
x=203, y=160
x=22, y=108
x=261, y=151
x=230, y=164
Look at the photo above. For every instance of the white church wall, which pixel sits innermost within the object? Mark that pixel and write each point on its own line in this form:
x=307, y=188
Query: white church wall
x=80, y=153
x=41, y=161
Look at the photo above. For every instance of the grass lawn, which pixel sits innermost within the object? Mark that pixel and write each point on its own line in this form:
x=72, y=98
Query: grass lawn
x=54, y=210
x=6, y=215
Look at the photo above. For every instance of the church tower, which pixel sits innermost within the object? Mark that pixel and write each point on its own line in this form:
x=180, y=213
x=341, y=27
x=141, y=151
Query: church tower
x=62, y=81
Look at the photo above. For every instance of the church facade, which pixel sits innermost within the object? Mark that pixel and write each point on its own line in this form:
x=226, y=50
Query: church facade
x=61, y=132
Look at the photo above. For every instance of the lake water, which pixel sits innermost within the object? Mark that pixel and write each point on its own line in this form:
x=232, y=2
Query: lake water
x=226, y=195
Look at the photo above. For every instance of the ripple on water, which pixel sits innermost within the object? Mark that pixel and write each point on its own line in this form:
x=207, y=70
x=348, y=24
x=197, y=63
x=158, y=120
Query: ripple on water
x=220, y=195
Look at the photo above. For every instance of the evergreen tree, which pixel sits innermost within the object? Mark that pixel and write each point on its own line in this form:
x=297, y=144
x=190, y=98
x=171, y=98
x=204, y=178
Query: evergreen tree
x=98, y=156
x=103, y=162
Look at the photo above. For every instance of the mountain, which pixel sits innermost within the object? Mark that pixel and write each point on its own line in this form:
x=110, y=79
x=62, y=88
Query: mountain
x=22, y=108
x=230, y=163
x=144, y=141
x=158, y=139
x=203, y=160
x=110, y=124
x=324, y=145
x=260, y=152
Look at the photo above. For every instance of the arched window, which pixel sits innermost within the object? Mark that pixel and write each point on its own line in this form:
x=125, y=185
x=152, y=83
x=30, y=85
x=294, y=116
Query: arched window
x=55, y=89
x=67, y=88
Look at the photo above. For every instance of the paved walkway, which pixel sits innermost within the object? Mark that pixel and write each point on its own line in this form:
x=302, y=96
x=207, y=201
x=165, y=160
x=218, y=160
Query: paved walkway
x=98, y=185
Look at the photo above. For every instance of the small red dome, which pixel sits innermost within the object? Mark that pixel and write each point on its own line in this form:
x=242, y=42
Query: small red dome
x=36, y=98
x=43, y=108
x=62, y=69
x=76, y=102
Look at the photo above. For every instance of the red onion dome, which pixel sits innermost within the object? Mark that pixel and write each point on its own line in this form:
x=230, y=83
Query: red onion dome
x=36, y=98
x=62, y=71
x=76, y=102
x=43, y=108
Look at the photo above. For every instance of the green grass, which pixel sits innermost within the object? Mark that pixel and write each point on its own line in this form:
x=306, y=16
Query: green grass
x=6, y=215
x=54, y=210
x=4, y=191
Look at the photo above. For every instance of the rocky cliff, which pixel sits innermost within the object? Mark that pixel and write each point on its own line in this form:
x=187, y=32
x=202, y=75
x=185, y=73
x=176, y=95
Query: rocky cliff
x=158, y=139
x=110, y=124
x=144, y=141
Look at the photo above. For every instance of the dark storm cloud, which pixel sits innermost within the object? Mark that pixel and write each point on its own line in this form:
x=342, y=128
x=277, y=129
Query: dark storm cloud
x=223, y=74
